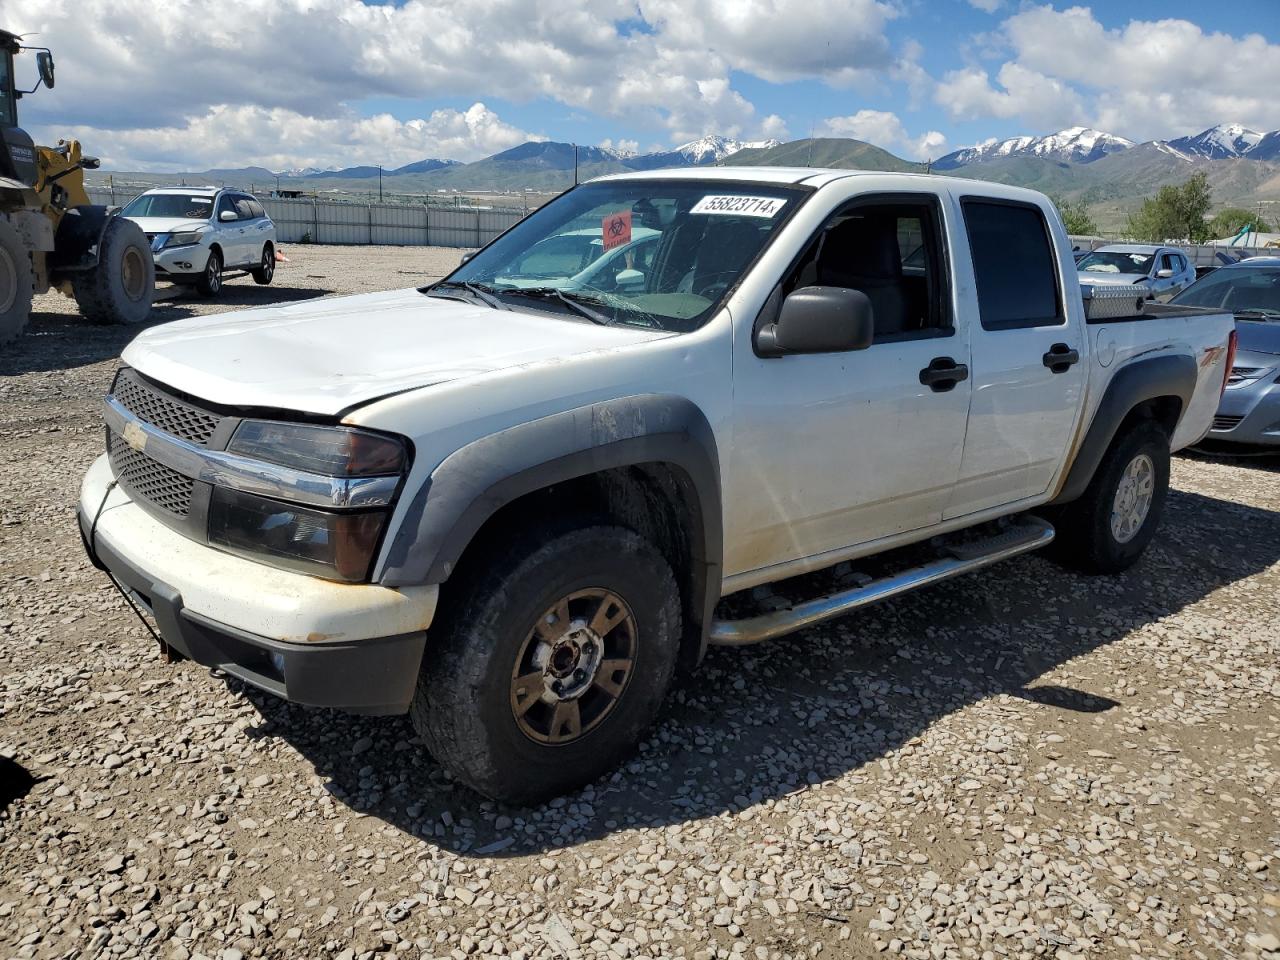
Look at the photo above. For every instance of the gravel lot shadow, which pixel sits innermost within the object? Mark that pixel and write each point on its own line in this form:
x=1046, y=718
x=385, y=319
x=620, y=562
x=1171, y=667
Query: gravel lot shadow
x=761, y=722
x=62, y=340
x=15, y=782
x=1233, y=455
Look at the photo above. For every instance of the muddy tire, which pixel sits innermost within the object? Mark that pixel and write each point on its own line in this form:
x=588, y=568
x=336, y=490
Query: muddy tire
x=549, y=662
x=121, y=287
x=16, y=283
x=266, y=268
x=1109, y=527
x=209, y=283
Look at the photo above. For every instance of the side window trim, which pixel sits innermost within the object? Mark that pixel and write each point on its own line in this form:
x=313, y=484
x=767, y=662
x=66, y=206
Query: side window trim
x=937, y=257
x=225, y=202
x=1030, y=323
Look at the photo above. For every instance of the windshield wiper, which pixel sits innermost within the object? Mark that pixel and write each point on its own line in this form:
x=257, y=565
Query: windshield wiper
x=1261, y=312
x=571, y=301
x=479, y=291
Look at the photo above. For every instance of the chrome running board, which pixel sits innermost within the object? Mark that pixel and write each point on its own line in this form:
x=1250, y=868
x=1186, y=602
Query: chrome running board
x=1030, y=533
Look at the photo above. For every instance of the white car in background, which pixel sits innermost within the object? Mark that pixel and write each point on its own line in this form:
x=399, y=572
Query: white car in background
x=1165, y=270
x=198, y=234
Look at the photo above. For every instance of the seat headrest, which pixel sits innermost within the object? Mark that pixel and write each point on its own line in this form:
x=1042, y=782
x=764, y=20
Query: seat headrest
x=866, y=245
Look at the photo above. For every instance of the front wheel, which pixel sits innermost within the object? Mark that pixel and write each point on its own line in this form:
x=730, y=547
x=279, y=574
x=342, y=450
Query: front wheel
x=549, y=663
x=16, y=287
x=266, y=268
x=210, y=282
x=1109, y=527
x=121, y=288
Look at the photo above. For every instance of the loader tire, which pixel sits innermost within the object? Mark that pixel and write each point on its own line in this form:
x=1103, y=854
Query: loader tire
x=16, y=285
x=121, y=287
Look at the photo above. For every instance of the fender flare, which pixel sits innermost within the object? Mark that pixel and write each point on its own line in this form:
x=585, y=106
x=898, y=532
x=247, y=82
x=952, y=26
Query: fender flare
x=1169, y=375
x=79, y=238
x=473, y=483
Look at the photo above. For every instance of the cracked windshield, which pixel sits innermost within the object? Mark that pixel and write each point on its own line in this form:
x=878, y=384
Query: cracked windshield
x=654, y=254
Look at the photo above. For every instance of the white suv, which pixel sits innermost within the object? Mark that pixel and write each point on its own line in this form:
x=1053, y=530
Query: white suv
x=199, y=233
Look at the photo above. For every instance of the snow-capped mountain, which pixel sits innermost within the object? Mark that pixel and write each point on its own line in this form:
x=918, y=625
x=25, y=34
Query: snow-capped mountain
x=305, y=171
x=698, y=153
x=1075, y=144
x=1223, y=142
x=1267, y=147
x=713, y=149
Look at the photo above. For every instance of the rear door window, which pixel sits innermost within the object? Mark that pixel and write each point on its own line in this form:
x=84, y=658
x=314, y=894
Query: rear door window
x=1013, y=265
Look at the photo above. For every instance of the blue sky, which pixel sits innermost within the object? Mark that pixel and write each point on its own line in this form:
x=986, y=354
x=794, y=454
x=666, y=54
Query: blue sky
x=338, y=82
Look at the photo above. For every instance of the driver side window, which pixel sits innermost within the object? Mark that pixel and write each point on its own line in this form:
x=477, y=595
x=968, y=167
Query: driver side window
x=892, y=252
x=224, y=203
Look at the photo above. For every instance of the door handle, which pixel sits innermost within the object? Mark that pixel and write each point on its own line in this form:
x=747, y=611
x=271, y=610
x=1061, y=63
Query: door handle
x=943, y=373
x=1060, y=358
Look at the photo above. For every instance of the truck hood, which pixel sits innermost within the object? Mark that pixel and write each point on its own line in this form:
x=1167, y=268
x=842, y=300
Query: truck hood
x=326, y=356
x=167, y=224
x=1089, y=278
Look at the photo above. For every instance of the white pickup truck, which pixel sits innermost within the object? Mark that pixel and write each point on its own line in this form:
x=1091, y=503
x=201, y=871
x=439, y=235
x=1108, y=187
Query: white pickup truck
x=510, y=503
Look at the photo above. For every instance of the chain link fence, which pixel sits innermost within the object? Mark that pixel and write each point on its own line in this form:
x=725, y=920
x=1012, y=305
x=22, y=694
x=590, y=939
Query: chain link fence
x=307, y=220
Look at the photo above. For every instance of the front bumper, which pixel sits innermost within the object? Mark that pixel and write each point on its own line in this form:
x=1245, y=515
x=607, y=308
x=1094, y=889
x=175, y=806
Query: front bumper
x=1249, y=414
x=354, y=647
x=179, y=260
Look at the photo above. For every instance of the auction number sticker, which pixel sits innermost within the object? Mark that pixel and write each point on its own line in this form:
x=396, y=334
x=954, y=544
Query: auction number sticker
x=740, y=206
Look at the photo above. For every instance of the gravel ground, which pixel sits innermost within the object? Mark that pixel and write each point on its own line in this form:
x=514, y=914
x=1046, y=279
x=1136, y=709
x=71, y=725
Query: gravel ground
x=1025, y=763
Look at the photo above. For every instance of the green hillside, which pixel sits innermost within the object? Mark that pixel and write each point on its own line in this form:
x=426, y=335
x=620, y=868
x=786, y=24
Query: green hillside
x=843, y=154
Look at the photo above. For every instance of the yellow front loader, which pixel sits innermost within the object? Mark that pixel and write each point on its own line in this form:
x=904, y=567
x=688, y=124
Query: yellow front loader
x=51, y=236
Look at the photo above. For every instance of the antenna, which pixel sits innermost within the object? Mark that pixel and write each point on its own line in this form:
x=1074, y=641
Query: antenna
x=575, y=164
x=808, y=160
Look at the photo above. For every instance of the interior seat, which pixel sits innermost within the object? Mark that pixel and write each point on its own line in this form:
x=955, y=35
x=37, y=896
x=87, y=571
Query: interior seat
x=724, y=249
x=862, y=253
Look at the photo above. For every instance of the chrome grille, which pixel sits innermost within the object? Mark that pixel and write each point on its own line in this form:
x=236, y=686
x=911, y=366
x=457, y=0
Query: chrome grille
x=1221, y=422
x=144, y=477
x=160, y=410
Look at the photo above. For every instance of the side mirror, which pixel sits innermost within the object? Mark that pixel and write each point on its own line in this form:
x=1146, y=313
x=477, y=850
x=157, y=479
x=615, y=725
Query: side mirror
x=819, y=320
x=44, y=63
x=466, y=257
x=226, y=216
x=1164, y=274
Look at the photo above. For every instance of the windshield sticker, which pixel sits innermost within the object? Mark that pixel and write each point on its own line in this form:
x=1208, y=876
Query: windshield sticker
x=740, y=206
x=615, y=229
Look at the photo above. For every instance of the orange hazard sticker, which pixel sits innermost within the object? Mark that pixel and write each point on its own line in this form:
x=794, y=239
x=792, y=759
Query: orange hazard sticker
x=616, y=229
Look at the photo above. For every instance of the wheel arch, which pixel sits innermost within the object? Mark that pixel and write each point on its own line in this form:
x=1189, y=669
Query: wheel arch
x=1157, y=388
x=78, y=238
x=647, y=462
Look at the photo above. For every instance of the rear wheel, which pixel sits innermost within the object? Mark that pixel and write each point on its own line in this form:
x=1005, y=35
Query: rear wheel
x=1109, y=527
x=266, y=268
x=16, y=285
x=123, y=284
x=549, y=663
x=210, y=282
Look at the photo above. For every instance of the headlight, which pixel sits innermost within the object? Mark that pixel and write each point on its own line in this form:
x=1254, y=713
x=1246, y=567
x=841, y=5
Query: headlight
x=338, y=546
x=184, y=239
x=339, y=543
x=331, y=451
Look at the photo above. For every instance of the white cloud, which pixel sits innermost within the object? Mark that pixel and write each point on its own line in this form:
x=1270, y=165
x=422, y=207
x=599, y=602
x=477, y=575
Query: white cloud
x=625, y=147
x=277, y=138
x=1022, y=92
x=885, y=130
x=1148, y=79
x=987, y=6
x=125, y=68
x=779, y=40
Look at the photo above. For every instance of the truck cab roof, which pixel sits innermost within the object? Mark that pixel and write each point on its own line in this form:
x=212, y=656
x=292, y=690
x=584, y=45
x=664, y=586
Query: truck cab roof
x=818, y=177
